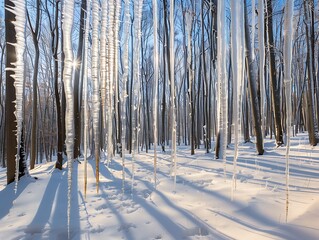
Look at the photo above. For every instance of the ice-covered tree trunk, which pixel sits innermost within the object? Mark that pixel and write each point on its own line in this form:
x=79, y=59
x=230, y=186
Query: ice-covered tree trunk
x=110, y=77
x=222, y=109
x=288, y=34
x=172, y=79
x=116, y=81
x=253, y=24
x=237, y=57
x=252, y=80
x=137, y=29
x=19, y=10
x=189, y=18
x=85, y=91
x=127, y=22
x=261, y=43
x=67, y=14
x=155, y=91
x=103, y=68
x=96, y=87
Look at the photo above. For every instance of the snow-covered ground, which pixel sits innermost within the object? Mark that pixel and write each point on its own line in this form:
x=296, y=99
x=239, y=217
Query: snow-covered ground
x=198, y=207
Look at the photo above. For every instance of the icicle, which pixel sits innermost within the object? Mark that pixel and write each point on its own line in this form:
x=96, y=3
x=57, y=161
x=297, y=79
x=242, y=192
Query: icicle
x=85, y=91
x=261, y=43
x=237, y=43
x=222, y=80
x=155, y=91
x=288, y=34
x=127, y=22
x=68, y=14
x=96, y=87
x=19, y=25
x=172, y=79
x=137, y=27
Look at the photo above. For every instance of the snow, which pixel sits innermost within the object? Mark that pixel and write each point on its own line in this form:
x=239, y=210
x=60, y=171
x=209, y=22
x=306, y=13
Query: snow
x=200, y=207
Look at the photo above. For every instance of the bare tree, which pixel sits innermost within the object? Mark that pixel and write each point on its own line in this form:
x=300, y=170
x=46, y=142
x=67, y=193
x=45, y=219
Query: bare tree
x=35, y=32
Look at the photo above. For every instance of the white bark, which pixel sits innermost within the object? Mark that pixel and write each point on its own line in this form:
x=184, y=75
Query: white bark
x=85, y=91
x=116, y=60
x=172, y=79
x=155, y=91
x=253, y=24
x=96, y=86
x=103, y=68
x=222, y=80
x=135, y=127
x=68, y=14
x=127, y=22
x=109, y=84
x=261, y=43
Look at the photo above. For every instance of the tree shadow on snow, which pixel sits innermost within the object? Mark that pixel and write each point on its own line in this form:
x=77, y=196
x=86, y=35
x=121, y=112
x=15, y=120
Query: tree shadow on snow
x=8, y=195
x=51, y=216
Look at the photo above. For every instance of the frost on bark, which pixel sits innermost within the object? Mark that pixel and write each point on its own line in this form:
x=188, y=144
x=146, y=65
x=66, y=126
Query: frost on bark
x=96, y=88
x=261, y=43
x=189, y=19
x=110, y=77
x=127, y=22
x=67, y=14
x=15, y=15
x=172, y=83
x=222, y=108
x=116, y=78
x=138, y=7
x=85, y=91
x=103, y=71
x=155, y=91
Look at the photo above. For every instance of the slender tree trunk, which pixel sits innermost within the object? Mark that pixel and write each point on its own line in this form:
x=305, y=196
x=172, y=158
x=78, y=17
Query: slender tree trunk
x=275, y=84
x=35, y=36
x=78, y=84
x=312, y=124
x=252, y=79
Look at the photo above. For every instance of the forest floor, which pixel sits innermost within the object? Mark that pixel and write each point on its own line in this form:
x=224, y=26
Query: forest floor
x=199, y=206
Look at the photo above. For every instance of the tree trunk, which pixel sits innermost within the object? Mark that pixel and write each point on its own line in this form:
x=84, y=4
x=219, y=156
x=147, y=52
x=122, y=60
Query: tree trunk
x=275, y=84
x=10, y=119
x=78, y=85
x=312, y=124
x=35, y=36
x=252, y=79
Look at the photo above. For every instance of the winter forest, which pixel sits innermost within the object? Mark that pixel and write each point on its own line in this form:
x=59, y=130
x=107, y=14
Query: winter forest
x=159, y=119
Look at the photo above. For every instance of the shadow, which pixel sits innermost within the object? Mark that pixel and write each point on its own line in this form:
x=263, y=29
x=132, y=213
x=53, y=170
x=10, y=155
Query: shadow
x=8, y=195
x=283, y=231
x=51, y=216
x=177, y=231
x=42, y=216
